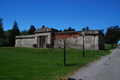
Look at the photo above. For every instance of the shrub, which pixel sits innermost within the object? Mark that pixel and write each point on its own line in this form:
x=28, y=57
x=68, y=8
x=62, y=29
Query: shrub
x=4, y=42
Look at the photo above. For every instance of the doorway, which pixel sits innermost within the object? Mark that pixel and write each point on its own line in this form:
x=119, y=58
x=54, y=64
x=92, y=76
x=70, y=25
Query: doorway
x=41, y=42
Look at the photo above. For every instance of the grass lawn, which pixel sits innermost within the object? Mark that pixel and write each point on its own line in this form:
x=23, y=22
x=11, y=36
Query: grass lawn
x=41, y=64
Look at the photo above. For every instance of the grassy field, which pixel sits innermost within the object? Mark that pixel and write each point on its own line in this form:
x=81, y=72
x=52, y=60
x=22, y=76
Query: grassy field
x=42, y=64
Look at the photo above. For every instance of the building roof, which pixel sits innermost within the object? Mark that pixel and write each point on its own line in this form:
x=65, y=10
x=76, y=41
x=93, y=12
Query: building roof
x=41, y=30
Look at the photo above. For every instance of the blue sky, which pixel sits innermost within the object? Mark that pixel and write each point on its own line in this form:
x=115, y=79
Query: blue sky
x=60, y=14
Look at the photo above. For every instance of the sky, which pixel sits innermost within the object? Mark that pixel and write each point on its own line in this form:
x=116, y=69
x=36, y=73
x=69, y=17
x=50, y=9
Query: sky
x=60, y=14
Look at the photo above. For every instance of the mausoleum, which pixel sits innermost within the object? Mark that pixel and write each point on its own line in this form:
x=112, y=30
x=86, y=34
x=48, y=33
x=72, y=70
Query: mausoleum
x=49, y=37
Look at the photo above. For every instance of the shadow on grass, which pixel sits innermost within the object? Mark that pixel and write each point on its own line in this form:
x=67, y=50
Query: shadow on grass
x=110, y=48
x=71, y=64
x=107, y=49
x=73, y=79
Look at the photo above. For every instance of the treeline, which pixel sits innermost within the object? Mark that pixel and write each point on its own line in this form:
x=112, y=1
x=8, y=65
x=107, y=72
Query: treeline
x=69, y=29
x=7, y=38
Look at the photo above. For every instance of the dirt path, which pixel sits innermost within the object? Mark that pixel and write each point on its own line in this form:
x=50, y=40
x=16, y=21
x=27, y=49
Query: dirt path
x=107, y=68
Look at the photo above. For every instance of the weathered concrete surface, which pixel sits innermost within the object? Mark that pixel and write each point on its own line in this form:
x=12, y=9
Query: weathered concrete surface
x=107, y=68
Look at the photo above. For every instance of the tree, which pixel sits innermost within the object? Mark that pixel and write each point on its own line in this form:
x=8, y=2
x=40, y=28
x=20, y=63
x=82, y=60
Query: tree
x=101, y=31
x=4, y=42
x=63, y=43
x=83, y=29
x=60, y=30
x=43, y=26
x=65, y=30
x=87, y=28
x=112, y=35
x=15, y=31
x=7, y=34
x=1, y=28
x=73, y=29
x=69, y=29
x=24, y=32
x=31, y=30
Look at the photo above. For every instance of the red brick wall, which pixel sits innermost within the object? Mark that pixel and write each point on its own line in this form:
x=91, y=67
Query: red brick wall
x=69, y=35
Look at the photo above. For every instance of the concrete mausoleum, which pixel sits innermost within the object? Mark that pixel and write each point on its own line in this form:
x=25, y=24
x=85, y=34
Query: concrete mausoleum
x=49, y=37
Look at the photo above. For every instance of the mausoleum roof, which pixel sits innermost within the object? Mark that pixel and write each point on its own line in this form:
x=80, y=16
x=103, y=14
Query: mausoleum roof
x=41, y=30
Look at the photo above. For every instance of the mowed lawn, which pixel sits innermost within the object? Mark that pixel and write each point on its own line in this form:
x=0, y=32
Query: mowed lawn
x=42, y=64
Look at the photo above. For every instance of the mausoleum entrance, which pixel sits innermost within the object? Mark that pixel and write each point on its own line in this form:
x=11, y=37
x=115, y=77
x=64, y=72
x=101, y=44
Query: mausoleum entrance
x=41, y=43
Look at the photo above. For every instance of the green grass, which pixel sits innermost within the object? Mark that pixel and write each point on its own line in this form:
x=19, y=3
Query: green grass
x=41, y=64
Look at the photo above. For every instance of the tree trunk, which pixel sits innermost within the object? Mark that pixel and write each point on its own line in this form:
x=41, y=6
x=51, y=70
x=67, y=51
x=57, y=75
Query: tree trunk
x=64, y=62
x=112, y=45
x=116, y=44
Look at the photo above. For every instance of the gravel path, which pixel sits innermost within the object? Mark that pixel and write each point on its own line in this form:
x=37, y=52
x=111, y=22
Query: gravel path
x=107, y=68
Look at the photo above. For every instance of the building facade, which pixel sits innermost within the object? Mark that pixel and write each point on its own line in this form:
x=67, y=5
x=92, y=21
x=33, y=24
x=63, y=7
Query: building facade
x=49, y=37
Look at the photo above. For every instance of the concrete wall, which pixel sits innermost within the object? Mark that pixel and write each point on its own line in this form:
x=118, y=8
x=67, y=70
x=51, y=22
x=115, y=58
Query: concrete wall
x=91, y=41
x=25, y=41
x=31, y=40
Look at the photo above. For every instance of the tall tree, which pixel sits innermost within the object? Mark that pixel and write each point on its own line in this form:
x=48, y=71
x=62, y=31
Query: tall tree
x=83, y=29
x=87, y=28
x=15, y=31
x=69, y=29
x=112, y=35
x=31, y=30
x=1, y=28
x=43, y=26
x=102, y=31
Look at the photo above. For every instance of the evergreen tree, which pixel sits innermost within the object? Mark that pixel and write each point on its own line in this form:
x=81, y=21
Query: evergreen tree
x=43, y=26
x=102, y=31
x=83, y=29
x=31, y=30
x=87, y=28
x=14, y=32
x=69, y=29
x=73, y=29
x=65, y=30
x=112, y=35
x=1, y=28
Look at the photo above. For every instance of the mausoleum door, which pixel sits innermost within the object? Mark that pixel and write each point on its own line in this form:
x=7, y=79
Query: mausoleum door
x=43, y=42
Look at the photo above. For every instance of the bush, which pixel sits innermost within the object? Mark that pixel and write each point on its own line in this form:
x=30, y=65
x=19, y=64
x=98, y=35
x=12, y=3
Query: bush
x=4, y=42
